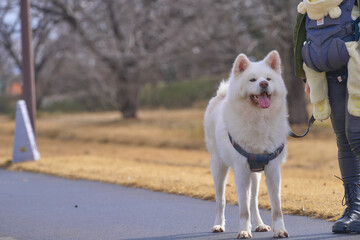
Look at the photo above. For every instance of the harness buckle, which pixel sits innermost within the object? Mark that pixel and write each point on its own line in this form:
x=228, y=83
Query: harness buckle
x=257, y=162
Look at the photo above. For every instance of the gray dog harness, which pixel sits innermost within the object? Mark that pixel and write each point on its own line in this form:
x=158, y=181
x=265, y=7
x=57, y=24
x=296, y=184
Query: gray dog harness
x=257, y=162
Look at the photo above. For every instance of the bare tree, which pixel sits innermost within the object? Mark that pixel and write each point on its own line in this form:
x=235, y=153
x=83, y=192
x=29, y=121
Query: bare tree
x=125, y=47
x=140, y=40
x=47, y=45
x=124, y=44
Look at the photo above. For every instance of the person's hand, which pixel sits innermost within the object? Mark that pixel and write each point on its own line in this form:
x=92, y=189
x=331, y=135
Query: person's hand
x=307, y=88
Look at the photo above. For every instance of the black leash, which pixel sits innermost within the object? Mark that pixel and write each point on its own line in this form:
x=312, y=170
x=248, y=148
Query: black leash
x=311, y=121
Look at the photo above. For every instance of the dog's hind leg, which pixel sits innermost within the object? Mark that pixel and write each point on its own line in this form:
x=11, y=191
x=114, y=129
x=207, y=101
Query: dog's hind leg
x=219, y=172
x=254, y=204
x=273, y=181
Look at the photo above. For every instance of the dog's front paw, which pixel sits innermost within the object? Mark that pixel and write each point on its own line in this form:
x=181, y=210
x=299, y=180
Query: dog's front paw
x=262, y=228
x=244, y=234
x=280, y=233
x=218, y=228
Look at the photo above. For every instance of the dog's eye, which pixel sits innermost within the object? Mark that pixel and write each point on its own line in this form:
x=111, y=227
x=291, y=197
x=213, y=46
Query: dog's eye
x=269, y=79
x=252, y=80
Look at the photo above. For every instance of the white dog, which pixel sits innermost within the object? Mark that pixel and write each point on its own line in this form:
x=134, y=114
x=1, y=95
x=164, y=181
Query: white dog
x=250, y=109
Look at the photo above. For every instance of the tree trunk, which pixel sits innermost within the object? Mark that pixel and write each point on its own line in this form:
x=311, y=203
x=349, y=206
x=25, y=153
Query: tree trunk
x=129, y=110
x=297, y=111
x=296, y=99
x=127, y=96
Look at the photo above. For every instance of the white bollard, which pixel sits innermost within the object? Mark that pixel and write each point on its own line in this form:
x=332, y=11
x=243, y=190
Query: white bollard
x=25, y=148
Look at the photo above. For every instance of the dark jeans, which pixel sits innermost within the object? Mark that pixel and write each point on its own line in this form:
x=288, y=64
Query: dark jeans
x=346, y=127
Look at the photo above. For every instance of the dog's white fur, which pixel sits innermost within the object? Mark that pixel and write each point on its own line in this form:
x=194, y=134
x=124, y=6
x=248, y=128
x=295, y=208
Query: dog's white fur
x=256, y=130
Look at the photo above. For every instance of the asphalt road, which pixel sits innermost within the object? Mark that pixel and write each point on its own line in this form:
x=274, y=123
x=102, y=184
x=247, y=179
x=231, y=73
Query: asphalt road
x=37, y=207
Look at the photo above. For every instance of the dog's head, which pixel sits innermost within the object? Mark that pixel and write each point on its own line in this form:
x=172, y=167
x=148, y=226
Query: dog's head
x=259, y=83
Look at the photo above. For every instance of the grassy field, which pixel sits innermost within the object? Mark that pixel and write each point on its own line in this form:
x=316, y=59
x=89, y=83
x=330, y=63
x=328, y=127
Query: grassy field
x=164, y=151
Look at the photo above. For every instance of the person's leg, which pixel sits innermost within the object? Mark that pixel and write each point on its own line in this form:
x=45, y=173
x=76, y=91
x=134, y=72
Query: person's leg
x=348, y=162
x=338, y=101
x=352, y=171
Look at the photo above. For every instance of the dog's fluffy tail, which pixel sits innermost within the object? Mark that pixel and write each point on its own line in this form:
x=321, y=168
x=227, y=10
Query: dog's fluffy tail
x=223, y=88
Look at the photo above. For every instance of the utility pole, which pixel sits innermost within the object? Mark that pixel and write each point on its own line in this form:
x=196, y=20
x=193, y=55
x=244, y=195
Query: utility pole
x=28, y=62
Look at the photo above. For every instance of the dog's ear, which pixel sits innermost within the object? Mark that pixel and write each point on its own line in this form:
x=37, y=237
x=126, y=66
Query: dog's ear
x=240, y=64
x=273, y=60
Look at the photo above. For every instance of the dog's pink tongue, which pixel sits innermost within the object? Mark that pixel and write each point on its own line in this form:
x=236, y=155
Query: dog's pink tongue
x=264, y=101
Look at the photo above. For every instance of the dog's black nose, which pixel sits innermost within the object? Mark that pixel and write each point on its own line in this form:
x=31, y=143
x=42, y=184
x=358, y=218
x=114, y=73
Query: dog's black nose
x=264, y=84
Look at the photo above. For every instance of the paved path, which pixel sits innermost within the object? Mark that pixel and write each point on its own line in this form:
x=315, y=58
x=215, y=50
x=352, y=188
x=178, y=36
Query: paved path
x=40, y=207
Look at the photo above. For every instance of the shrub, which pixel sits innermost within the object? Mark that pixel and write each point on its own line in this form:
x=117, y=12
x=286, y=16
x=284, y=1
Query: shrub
x=180, y=94
x=8, y=105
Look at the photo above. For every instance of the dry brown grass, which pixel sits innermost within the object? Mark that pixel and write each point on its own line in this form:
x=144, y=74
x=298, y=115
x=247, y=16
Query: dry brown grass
x=164, y=151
